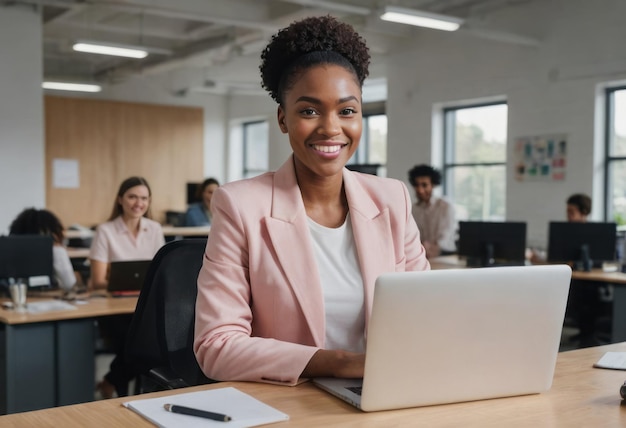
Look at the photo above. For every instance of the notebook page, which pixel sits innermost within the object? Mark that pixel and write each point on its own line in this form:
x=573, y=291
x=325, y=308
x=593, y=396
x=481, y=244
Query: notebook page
x=245, y=410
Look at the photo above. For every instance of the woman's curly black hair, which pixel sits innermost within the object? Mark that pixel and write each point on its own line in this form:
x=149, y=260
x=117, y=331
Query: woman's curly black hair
x=309, y=42
x=32, y=221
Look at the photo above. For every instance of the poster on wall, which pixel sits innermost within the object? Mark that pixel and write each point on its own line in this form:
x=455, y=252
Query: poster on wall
x=541, y=158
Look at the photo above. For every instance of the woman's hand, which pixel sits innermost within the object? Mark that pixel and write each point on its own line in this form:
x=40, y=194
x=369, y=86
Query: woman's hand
x=335, y=363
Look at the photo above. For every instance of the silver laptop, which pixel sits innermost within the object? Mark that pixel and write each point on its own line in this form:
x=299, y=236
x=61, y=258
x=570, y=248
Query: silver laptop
x=448, y=336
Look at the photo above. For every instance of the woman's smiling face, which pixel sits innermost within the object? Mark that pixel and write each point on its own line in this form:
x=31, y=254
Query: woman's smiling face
x=322, y=114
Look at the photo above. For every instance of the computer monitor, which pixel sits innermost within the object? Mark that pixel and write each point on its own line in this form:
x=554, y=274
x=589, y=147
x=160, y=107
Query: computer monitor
x=485, y=243
x=585, y=244
x=28, y=257
x=366, y=168
x=192, y=190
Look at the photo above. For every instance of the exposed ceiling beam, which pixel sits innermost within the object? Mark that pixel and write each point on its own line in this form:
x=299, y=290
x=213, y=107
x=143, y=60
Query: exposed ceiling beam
x=498, y=35
x=333, y=6
x=132, y=31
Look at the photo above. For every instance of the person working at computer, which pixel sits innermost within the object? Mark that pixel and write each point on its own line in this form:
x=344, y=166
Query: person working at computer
x=578, y=208
x=199, y=213
x=129, y=234
x=434, y=215
x=286, y=287
x=32, y=221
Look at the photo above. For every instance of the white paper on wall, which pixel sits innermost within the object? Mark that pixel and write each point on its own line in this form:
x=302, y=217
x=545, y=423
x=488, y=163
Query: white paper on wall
x=65, y=174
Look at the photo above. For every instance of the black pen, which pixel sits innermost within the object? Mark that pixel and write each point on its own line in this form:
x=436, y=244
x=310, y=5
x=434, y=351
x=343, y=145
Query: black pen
x=196, y=412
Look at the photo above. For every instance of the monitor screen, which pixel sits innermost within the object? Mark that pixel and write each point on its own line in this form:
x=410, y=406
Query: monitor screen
x=576, y=242
x=26, y=256
x=485, y=243
x=364, y=167
x=192, y=189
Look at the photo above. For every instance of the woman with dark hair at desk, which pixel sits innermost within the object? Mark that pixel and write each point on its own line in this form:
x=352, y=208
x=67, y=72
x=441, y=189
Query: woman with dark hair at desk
x=286, y=287
x=199, y=213
x=32, y=221
x=129, y=234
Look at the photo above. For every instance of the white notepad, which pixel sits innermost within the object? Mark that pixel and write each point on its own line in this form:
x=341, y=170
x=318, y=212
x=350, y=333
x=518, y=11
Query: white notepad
x=612, y=360
x=245, y=410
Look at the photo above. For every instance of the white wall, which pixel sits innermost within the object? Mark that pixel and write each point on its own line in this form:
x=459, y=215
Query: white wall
x=550, y=88
x=22, y=173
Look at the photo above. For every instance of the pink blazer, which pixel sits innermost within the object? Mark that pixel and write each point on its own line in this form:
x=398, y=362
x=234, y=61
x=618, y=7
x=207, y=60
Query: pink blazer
x=260, y=311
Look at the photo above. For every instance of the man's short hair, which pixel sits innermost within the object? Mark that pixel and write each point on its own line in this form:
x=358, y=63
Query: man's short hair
x=580, y=201
x=424, y=171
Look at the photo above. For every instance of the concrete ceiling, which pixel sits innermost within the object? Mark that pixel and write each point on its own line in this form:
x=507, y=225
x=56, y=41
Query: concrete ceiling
x=215, y=44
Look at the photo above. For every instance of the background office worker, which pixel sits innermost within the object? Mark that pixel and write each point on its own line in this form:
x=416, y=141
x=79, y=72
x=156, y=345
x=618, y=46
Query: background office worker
x=129, y=234
x=32, y=221
x=434, y=216
x=285, y=290
x=199, y=213
x=578, y=208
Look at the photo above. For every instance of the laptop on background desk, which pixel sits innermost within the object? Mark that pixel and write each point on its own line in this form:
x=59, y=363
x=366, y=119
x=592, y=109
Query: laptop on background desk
x=457, y=335
x=126, y=277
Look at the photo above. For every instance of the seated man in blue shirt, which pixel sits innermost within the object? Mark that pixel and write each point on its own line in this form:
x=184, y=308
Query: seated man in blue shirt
x=199, y=213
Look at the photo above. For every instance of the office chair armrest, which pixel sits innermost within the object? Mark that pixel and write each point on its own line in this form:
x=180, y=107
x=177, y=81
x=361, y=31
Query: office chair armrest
x=165, y=378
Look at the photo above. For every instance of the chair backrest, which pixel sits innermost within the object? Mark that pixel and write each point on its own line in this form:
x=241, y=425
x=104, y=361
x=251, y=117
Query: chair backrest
x=162, y=329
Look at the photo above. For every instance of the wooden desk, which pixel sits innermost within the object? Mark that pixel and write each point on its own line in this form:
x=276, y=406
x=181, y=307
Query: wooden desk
x=78, y=253
x=580, y=396
x=47, y=359
x=167, y=231
x=186, y=231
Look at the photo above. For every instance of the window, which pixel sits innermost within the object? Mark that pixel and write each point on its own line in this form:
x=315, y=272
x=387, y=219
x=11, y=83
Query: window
x=615, y=187
x=255, y=148
x=474, y=167
x=373, y=146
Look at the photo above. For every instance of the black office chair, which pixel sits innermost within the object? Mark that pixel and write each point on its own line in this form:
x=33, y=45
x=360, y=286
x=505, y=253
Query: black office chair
x=160, y=339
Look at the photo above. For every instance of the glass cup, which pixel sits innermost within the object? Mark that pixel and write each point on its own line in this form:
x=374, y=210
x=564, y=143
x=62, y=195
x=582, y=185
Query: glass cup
x=18, y=295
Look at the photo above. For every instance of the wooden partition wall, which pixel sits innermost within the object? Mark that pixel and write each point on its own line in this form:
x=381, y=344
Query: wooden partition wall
x=115, y=140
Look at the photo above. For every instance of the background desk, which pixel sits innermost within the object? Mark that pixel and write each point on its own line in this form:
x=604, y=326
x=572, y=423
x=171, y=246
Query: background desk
x=47, y=359
x=580, y=396
x=617, y=279
x=168, y=231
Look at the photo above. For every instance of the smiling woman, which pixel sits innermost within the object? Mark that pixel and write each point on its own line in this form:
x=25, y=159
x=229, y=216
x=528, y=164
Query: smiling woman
x=286, y=286
x=129, y=234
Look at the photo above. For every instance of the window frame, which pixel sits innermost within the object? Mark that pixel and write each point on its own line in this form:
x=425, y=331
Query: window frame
x=369, y=110
x=609, y=118
x=449, y=140
x=244, y=156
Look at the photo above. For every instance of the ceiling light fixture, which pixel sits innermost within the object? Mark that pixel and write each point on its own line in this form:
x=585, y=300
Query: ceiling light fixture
x=421, y=19
x=110, y=49
x=77, y=87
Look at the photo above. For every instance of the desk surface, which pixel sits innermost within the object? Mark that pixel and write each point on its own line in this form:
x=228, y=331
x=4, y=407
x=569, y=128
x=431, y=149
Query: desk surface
x=580, y=396
x=94, y=307
x=454, y=262
x=167, y=231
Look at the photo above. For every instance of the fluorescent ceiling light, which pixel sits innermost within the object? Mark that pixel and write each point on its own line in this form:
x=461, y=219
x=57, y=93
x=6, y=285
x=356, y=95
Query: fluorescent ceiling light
x=77, y=87
x=114, y=50
x=421, y=19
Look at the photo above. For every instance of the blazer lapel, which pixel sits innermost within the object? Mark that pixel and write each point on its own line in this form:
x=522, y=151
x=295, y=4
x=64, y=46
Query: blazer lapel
x=289, y=232
x=372, y=231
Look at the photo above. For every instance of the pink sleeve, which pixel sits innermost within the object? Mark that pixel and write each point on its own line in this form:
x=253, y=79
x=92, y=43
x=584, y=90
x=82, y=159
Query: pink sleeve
x=224, y=345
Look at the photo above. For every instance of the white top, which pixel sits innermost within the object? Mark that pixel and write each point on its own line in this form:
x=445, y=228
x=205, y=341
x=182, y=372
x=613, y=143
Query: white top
x=62, y=267
x=114, y=242
x=436, y=223
x=342, y=285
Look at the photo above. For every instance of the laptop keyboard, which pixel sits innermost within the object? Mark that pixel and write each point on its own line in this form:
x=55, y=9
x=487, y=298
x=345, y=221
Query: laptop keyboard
x=356, y=389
